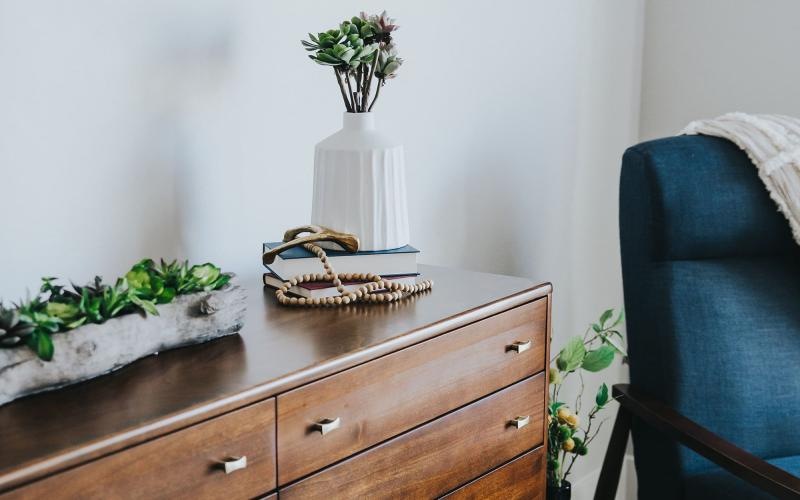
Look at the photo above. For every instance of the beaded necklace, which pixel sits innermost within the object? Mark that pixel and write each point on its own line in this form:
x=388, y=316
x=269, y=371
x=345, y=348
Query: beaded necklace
x=368, y=292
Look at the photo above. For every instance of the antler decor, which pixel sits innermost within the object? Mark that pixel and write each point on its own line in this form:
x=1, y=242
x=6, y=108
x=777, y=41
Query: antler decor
x=369, y=292
x=349, y=242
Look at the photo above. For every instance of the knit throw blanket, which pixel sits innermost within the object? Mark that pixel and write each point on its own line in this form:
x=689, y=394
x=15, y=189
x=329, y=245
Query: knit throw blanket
x=773, y=144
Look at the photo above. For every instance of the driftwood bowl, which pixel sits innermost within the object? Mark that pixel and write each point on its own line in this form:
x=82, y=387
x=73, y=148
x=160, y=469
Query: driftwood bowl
x=94, y=350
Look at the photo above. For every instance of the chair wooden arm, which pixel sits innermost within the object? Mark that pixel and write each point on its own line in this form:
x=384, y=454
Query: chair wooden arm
x=656, y=414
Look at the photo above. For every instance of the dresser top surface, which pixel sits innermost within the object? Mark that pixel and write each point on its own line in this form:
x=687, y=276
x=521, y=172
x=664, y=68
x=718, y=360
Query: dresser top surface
x=278, y=349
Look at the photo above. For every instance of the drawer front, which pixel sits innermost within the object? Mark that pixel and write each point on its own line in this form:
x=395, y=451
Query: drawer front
x=521, y=479
x=185, y=464
x=439, y=456
x=390, y=395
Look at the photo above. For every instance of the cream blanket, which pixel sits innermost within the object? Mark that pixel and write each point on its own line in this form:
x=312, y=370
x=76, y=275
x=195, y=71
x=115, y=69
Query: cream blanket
x=773, y=144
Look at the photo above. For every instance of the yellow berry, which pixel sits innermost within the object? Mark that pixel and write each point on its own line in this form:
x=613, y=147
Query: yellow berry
x=562, y=414
x=568, y=444
x=572, y=421
x=555, y=376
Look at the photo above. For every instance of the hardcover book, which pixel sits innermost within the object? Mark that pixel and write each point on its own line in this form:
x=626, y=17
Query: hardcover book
x=298, y=260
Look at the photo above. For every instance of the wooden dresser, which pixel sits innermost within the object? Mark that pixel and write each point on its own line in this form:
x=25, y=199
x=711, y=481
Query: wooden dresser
x=440, y=395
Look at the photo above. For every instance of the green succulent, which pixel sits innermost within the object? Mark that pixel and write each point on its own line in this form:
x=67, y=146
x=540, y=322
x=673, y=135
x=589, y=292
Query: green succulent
x=59, y=309
x=34, y=312
x=388, y=63
x=359, y=49
x=13, y=331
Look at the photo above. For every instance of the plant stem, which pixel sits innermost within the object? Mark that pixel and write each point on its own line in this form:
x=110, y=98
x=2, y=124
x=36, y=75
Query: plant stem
x=359, y=91
x=370, y=74
x=377, y=93
x=341, y=87
x=350, y=91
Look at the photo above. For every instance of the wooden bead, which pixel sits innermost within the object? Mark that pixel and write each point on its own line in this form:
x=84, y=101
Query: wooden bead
x=368, y=292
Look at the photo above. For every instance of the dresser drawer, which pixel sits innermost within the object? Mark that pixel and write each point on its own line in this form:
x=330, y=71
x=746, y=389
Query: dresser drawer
x=437, y=457
x=521, y=479
x=185, y=464
x=390, y=395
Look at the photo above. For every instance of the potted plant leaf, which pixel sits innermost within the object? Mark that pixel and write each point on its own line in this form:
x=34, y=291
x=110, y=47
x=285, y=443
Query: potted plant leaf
x=570, y=434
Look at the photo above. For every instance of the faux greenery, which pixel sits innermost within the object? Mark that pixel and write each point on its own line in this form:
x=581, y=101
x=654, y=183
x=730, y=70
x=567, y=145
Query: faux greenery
x=59, y=309
x=594, y=352
x=360, y=51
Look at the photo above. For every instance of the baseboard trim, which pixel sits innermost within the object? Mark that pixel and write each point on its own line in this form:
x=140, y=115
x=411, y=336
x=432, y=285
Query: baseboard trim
x=583, y=487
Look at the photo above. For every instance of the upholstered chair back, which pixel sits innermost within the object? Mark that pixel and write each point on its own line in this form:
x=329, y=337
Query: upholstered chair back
x=712, y=297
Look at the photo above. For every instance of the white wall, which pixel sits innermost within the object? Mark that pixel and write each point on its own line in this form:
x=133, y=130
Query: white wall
x=703, y=58
x=186, y=128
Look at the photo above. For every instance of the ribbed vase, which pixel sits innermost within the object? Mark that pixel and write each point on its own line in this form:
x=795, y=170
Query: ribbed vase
x=360, y=184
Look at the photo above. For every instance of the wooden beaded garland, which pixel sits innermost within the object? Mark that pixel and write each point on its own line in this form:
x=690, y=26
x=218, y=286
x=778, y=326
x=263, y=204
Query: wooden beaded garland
x=365, y=293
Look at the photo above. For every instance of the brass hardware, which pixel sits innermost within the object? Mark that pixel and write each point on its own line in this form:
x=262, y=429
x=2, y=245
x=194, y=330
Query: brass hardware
x=327, y=425
x=520, y=346
x=232, y=464
x=521, y=422
x=316, y=234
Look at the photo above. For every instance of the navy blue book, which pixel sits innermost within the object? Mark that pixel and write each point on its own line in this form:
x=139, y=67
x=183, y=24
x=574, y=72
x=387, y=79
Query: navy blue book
x=298, y=260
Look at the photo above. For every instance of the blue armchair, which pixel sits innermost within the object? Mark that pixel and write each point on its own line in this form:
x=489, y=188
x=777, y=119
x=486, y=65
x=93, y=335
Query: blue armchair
x=712, y=296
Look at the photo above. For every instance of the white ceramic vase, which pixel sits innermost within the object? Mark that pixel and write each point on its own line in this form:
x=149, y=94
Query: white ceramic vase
x=360, y=184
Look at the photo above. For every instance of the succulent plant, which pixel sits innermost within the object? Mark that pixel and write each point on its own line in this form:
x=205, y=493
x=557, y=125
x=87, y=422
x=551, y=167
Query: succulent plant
x=388, y=63
x=59, y=309
x=13, y=331
x=359, y=50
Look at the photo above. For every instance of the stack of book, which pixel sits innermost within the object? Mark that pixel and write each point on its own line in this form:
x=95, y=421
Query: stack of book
x=399, y=264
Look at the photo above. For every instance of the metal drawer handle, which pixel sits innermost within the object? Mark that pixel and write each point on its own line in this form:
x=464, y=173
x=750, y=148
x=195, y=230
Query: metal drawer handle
x=521, y=422
x=327, y=425
x=520, y=346
x=232, y=464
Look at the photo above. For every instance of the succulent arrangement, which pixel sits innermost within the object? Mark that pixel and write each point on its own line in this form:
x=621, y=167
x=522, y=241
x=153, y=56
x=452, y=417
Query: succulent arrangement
x=593, y=352
x=360, y=51
x=59, y=309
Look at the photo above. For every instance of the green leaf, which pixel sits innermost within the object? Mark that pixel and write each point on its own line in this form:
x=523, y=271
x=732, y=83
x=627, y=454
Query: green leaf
x=598, y=359
x=619, y=319
x=146, y=305
x=571, y=356
x=614, y=343
x=347, y=55
x=42, y=344
x=61, y=310
x=605, y=317
x=138, y=278
x=602, y=396
x=324, y=58
x=166, y=295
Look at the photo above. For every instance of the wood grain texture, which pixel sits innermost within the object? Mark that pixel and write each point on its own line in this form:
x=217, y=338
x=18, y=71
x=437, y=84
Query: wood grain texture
x=185, y=464
x=278, y=349
x=521, y=479
x=437, y=457
x=390, y=395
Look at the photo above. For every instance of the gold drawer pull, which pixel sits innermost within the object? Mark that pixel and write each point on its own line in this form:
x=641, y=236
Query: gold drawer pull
x=521, y=422
x=232, y=464
x=327, y=425
x=520, y=346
